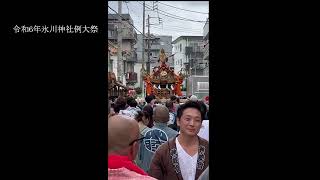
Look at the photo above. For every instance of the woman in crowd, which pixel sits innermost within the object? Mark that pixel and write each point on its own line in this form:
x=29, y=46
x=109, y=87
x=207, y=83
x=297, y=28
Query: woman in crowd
x=143, y=118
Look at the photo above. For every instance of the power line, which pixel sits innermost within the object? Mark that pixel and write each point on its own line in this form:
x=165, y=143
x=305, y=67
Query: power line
x=122, y=18
x=127, y=6
x=175, y=16
x=160, y=44
x=177, y=29
x=127, y=21
x=182, y=9
x=181, y=28
x=132, y=12
x=134, y=26
x=181, y=18
x=117, y=17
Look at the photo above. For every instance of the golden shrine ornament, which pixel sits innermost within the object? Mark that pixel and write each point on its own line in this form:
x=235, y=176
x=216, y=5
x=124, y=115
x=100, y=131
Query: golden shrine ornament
x=163, y=73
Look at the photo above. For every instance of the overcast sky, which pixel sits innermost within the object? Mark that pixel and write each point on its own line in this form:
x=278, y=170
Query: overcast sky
x=169, y=26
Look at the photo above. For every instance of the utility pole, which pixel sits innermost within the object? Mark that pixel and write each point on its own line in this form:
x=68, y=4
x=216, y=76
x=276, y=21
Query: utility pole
x=148, y=61
x=120, y=62
x=143, y=49
x=143, y=42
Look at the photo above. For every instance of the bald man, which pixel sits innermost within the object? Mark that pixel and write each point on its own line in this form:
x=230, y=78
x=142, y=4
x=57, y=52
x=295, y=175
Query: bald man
x=123, y=144
x=154, y=137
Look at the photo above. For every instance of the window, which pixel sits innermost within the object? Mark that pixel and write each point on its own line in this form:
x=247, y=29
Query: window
x=180, y=47
x=111, y=33
x=110, y=65
x=203, y=86
x=130, y=67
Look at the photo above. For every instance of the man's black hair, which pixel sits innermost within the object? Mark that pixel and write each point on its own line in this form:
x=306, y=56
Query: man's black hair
x=120, y=104
x=189, y=104
x=153, y=96
x=149, y=110
x=173, y=98
x=149, y=98
x=204, y=109
x=169, y=104
x=132, y=102
x=117, y=108
x=140, y=114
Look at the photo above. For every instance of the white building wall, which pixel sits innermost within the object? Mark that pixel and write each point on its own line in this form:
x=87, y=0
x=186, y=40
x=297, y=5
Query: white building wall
x=126, y=45
x=114, y=65
x=137, y=69
x=179, y=57
x=115, y=68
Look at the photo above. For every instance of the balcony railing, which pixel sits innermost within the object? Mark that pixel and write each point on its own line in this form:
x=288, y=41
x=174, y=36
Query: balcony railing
x=133, y=57
x=129, y=34
x=132, y=77
x=156, y=47
x=126, y=34
x=191, y=50
x=206, y=52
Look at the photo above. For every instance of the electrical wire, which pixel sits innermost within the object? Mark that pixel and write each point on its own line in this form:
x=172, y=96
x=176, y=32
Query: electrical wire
x=174, y=16
x=182, y=9
x=178, y=30
x=127, y=21
x=126, y=26
x=132, y=12
x=127, y=6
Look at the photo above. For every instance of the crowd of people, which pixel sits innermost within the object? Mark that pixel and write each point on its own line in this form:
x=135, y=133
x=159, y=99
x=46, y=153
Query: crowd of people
x=152, y=139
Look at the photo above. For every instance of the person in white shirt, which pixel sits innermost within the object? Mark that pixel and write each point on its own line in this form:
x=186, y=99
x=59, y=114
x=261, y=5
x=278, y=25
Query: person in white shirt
x=204, y=131
x=132, y=109
x=185, y=156
x=172, y=116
